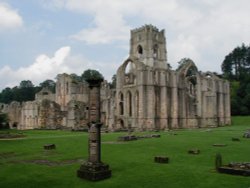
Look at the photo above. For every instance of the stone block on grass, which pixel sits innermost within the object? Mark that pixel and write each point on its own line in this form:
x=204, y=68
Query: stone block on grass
x=49, y=146
x=194, y=151
x=161, y=159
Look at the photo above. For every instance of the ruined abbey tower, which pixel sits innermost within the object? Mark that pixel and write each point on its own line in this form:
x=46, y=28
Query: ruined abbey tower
x=149, y=95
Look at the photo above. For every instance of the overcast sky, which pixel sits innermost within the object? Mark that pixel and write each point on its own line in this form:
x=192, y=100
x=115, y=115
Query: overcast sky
x=42, y=38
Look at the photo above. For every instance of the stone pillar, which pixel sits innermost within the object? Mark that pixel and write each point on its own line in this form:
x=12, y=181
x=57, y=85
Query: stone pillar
x=150, y=101
x=174, y=103
x=220, y=105
x=94, y=102
x=199, y=101
x=183, y=110
x=163, y=109
x=204, y=108
x=221, y=109
x=94, y=143
x=142, y=109
x=94, y=169
x=150, y=122
x=228, y=105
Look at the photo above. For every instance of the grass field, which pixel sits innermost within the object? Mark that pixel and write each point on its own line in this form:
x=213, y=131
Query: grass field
x=24, y=163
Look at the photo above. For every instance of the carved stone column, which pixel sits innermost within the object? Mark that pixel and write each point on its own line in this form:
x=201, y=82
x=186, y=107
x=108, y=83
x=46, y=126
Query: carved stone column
x=174, y=103
x=94, y=169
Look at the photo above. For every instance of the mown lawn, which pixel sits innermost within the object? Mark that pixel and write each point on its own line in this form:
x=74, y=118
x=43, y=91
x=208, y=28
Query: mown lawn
x=24, y=163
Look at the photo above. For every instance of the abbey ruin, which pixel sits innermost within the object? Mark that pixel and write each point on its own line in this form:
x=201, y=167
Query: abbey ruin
x=148, y=95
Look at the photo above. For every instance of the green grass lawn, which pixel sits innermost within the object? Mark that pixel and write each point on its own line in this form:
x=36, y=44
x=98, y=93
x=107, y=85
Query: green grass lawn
x=24, y=162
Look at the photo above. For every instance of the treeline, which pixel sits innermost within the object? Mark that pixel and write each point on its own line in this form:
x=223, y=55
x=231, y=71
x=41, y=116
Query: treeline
x=236, y=68
x=4, y=121
x=26, y=90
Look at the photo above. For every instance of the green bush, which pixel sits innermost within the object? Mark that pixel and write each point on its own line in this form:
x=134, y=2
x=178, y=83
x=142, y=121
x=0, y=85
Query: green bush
x=4, y=121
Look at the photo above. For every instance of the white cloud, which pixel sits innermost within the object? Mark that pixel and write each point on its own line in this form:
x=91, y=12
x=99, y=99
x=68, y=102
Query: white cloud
x=204, y=30
x=9, y=18
x=176, y=14
x=111, y=18
x=104, y=33
x=108, y=22
x=45, y=67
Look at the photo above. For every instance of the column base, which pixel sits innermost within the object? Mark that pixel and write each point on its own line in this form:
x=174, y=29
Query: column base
x=94, y=171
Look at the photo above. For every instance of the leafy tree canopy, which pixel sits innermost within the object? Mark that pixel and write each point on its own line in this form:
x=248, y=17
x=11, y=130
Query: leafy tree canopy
x=26, y=84
x=50, y=84
x=75, y=77
x=236, y=68
x=4, y=121
x=113, y=81
x=91, y=74
x=236, y=64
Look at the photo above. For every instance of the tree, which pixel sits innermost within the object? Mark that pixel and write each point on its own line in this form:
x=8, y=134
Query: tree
x=91, y=74
x=26, y=84
x=4, y=121
x=6, y=95
x=22, y=94
x=50, y=84
x=236, y=68
x=75, y=77
x=236, y=64
x=113, y=81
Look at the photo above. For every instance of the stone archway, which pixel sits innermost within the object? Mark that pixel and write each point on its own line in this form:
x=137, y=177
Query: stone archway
x=121, y=124
x=15, y=125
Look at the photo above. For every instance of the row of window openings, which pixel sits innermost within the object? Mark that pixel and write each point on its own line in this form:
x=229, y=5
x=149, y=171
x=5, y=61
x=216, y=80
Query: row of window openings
x=121, y=105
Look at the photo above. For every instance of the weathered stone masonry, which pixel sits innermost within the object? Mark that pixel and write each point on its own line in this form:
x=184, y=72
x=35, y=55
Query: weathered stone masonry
x=148, y=95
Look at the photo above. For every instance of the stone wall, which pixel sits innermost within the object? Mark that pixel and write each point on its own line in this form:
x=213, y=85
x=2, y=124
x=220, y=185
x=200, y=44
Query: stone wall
x=45, y=93
x=66, y=109
x=77, y=115
x=14, y=114
x=68, y=89
x=148, y=95
x=30, y=115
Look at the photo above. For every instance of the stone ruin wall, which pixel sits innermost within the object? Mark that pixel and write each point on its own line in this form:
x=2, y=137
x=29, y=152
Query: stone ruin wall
x=14, y=113
x=148, y=95
x=151, y=96
x=68, y=89
x=165, y=99
x=66, y=109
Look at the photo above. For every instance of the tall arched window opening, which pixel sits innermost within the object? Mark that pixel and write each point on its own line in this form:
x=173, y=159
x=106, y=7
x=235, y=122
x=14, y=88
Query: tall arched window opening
x=155, y=51
x=129, y=98
x=139, y=50
x=137, y=103
x=121, y=107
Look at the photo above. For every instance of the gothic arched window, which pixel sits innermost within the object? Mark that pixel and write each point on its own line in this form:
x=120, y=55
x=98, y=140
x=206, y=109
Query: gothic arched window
x=137, y=103
x=139, y=50
x=155, y=51
x=129, y=102
x=121, y=107
x=129, y=67
x=129, y=73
